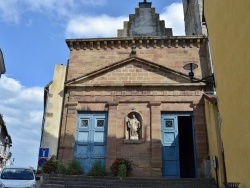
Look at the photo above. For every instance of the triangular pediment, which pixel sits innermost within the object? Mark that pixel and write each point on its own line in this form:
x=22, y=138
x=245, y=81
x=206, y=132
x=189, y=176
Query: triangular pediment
x=129, y=72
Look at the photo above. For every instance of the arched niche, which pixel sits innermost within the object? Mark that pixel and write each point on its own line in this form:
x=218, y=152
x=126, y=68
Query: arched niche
x=133, y=126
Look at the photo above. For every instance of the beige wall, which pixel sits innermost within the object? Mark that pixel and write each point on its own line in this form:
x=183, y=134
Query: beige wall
x=228, y=26
x=214, y=140
x=52, y=114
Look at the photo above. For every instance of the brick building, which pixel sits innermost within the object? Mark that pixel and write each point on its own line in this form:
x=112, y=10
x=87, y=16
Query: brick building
x=110, y=83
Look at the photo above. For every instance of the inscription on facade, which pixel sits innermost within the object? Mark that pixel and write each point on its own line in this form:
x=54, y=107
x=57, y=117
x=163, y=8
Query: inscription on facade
x=118, y=92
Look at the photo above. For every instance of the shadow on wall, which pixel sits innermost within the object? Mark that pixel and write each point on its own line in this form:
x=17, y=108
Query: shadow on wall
x=50, y=141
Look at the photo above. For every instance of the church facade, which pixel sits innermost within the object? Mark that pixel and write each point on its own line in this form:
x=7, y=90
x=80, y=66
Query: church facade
x=130, y=97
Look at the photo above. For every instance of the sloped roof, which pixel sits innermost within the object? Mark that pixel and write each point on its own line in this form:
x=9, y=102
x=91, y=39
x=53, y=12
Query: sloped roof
x=211, y=98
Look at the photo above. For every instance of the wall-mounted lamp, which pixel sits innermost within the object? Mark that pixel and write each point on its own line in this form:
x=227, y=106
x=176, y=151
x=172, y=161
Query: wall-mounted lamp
x=191, y=67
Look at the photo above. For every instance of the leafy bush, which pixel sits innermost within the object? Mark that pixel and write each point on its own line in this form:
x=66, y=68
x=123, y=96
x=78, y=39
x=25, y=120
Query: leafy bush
x=74, y=168
x=97, y=169
x=61, y=168
x=122, y=170
x=53, y=166
x=116, y=165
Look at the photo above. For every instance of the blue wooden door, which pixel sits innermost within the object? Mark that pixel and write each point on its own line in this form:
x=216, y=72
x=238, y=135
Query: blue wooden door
x=170, y=147
x=90, y=143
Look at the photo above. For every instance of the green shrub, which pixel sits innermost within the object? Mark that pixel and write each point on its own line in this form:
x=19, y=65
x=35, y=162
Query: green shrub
x=119, y=161
x=74, y=168
x=97, y=169
x=122, y=170
x=53, y=166
x=61, y=168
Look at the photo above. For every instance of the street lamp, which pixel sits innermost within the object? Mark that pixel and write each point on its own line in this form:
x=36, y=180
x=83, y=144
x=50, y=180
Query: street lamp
x=191, y=67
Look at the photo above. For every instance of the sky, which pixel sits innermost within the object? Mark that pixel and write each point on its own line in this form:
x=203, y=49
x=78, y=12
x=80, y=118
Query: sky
x=32, y=39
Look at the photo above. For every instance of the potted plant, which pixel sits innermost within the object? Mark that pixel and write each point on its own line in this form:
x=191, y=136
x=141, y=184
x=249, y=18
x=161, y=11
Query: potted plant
x=121, y=167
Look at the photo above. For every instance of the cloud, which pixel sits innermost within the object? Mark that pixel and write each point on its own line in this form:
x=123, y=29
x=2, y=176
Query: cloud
x=174, y=18
x=55, y=7
x=94, y=2
x=22, y=110
x=79, y=25
x=84, y=26
x=12, y=10
x=9, y=11
x=94, y=26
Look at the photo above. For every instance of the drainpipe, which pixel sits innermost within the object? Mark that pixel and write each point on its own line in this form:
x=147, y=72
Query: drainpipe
x=203, y=22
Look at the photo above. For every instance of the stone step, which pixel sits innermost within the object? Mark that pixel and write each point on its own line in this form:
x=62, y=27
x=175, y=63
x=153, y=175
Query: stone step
x=62, y=181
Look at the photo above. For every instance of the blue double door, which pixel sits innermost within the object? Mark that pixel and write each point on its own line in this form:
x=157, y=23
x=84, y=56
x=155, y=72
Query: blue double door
x=90, y=145
x=178, y=159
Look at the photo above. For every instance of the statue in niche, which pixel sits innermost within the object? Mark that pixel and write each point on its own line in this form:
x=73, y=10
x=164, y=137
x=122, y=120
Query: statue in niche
x=133, y=125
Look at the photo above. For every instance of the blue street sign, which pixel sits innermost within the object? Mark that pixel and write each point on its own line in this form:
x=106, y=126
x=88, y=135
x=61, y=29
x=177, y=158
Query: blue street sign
x=41, y=161
x=44, y=152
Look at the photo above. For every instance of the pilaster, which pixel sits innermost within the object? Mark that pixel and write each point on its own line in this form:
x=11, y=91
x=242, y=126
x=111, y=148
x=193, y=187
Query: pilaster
x=156, y=153
x=111, y=137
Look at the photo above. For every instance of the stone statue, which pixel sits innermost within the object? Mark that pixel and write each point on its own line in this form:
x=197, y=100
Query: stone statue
x=134, y=125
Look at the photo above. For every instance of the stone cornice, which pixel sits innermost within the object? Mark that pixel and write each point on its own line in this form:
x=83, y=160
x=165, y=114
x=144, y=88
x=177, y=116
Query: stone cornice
x=139, y=42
